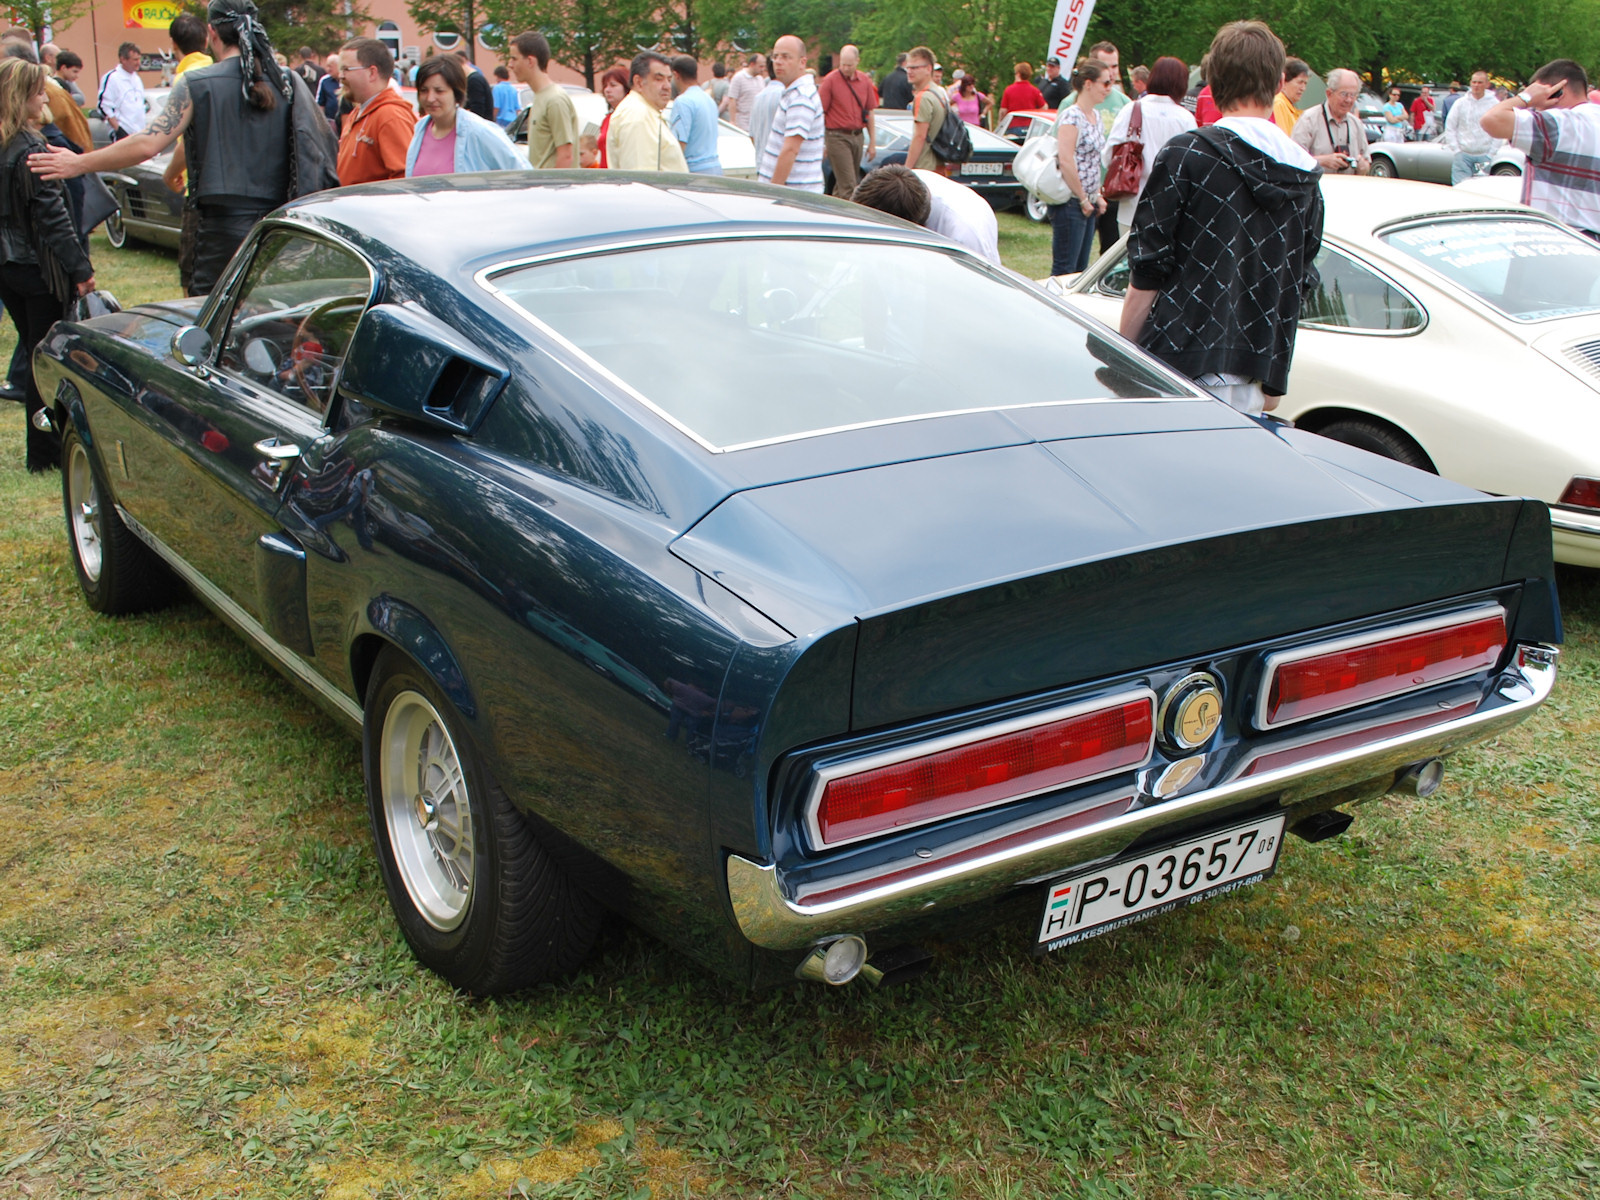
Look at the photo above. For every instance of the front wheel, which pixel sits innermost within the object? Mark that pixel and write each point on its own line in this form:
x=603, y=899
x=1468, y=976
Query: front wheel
x=1383, y=168
x=117, y=573
x=1037, y=209
x=116, y=231
x=479, y=901
x=1380, y=439
x=1505, y=169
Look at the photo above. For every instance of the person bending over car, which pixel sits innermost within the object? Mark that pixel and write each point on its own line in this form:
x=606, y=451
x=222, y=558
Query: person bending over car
x=1222, y=244
x=928, y=199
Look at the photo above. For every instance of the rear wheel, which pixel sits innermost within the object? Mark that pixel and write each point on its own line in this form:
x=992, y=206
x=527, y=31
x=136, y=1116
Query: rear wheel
x=116, y=232
x=1504, y=169
x=1376, y=438
x=116, y=571
x=1037, y=209
x=1384, y=168
x=478, y=899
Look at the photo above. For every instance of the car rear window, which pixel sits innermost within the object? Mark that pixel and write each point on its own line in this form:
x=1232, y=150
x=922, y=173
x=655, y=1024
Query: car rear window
x=1527, y=268
x=749, y=341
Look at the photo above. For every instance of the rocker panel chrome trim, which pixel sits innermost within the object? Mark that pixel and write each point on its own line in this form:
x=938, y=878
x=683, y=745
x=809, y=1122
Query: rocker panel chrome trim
x=230, y=611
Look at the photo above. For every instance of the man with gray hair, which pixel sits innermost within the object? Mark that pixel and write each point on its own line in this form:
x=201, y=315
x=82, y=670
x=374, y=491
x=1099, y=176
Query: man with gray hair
x=848, y=100
x=1331, y=132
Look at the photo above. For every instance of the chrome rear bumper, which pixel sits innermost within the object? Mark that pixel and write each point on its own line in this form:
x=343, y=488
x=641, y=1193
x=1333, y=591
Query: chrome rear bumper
x=776, y=916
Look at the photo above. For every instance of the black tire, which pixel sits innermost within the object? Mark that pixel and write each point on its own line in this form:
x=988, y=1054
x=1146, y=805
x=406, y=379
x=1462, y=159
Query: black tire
x=1384, y=168
x=116, y=231
x=1504, y=169
x=1376, y=438
x=518, y=920
x=117, y=573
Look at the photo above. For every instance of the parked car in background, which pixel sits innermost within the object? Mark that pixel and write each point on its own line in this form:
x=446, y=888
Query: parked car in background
x=147, y=210
x=1019, y=126
x=987, y=172
x=1453, y=331
x=803, y=659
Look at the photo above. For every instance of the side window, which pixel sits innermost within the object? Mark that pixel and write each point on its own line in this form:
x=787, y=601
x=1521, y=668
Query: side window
x=295, y=313
x=1351, y=297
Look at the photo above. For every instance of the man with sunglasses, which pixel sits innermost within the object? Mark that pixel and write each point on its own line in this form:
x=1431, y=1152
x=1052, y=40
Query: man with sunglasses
x=1553, y=123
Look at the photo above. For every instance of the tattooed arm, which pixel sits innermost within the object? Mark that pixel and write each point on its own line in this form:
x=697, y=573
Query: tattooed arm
x=163, y=131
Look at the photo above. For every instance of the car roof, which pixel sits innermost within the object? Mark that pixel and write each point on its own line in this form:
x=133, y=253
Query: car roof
x=454, y=225
x=1358, y=205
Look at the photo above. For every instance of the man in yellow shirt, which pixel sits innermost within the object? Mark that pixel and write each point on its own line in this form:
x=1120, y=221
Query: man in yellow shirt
x=639, y=138
x=1286, y=108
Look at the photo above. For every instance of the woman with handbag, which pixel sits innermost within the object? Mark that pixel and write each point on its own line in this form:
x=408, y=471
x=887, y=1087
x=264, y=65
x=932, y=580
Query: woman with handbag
x=1140, y=132
x=43, y=265
x=1079, y=141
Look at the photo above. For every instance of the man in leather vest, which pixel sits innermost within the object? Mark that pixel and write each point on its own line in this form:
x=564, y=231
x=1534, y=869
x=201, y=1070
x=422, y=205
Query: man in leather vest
x=235, y=121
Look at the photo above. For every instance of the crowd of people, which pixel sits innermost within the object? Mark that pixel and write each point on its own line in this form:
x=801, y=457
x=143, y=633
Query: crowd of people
x=1230, y=168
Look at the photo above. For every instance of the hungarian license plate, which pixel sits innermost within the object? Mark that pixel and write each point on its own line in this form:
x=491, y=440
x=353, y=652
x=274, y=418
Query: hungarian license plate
x=1109, y=897
x=973, y=168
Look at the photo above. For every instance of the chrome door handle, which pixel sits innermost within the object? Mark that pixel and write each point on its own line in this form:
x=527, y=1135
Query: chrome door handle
x=279, y=452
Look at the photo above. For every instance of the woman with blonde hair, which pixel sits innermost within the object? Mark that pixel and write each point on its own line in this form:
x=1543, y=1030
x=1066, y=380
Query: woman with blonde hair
x=43, y=265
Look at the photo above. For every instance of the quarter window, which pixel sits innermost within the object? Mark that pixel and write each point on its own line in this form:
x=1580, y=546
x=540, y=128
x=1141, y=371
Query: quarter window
x=1349, y=296
x=296, y=311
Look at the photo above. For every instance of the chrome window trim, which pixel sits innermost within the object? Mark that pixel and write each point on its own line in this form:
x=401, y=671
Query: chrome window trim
x=211, y=313
x=1366, y=265
x=485, y=276
x=1369, y=637
x=821, y=776
x=1404, y=223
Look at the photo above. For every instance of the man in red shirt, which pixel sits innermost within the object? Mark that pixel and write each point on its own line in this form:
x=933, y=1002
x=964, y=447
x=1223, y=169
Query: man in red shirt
x=1021, y=95
x=1422, y=111
x=848, y=99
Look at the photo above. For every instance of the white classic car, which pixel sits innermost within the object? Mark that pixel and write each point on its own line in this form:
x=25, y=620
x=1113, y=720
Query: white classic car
x=1452, y=330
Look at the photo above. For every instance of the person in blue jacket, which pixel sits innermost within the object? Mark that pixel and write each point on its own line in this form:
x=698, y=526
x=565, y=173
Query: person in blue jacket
x=449, y=139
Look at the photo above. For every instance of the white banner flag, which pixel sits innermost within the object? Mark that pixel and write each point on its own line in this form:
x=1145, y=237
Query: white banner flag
x=1066, y=34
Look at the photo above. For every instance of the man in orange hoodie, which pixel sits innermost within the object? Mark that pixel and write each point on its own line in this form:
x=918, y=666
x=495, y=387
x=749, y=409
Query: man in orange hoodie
x=377, y=131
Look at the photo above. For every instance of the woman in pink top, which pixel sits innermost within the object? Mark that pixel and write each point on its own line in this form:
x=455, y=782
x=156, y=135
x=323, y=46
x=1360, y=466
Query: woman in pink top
x=449, y=139
x=970, y=104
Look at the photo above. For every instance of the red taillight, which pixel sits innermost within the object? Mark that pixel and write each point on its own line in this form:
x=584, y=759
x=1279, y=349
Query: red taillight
x=1581, y=493
x=1315, y=681
x=990, y=770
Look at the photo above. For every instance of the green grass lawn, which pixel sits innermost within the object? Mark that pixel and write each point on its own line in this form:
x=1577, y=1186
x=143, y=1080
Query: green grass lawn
x=205, y=994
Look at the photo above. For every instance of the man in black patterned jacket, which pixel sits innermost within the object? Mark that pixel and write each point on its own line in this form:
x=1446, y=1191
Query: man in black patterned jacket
x=1223, y=240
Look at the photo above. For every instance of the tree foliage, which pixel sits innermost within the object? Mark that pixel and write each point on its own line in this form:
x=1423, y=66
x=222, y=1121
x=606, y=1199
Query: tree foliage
x=323, y=24
x=38, y=15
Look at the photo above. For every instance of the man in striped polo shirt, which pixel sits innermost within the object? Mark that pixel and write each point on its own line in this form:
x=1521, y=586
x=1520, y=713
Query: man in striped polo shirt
x=1553, y=122
x=793, y=153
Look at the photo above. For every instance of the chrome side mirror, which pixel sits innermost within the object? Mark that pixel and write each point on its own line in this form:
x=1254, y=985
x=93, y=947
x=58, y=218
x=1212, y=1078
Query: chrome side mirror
x=191, y=345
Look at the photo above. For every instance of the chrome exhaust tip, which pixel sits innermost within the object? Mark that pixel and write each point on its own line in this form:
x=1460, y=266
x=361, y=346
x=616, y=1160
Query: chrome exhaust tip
x=834, y=962
x=1421, y=779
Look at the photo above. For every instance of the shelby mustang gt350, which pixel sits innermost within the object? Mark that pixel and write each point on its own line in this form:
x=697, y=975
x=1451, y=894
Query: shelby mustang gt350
x=675, y=547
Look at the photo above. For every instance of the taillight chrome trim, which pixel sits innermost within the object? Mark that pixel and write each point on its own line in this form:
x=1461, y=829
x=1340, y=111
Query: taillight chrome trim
x=822, y=775
x=1358, y=641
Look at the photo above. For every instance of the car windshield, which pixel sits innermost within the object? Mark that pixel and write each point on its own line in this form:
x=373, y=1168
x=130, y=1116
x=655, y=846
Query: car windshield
x=755, y=340
x=1528, y=269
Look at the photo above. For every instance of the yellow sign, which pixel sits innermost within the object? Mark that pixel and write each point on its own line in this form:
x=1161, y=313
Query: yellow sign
x=149, y=14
